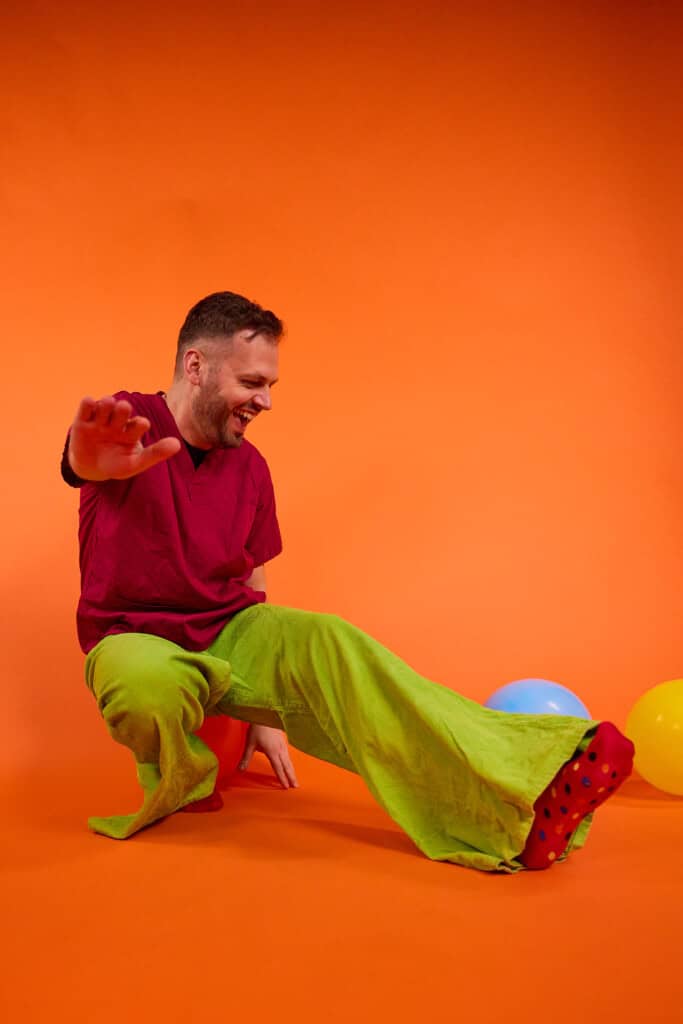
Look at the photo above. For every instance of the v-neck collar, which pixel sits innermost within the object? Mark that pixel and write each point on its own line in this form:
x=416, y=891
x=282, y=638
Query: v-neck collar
x=170, y=428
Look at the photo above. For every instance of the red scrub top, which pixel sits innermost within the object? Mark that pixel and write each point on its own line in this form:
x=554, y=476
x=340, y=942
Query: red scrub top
x=169, y=551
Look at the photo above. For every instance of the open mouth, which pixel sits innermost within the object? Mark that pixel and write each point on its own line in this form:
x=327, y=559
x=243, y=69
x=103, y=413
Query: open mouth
x=243, y=416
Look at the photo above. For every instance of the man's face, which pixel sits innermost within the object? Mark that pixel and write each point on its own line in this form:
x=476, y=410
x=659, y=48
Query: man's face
x=235, y=388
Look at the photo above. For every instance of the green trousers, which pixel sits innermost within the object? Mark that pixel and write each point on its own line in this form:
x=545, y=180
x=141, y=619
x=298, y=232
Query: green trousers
x=460, y=779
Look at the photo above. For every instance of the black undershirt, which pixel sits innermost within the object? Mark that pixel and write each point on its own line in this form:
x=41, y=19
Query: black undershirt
x=196, y=454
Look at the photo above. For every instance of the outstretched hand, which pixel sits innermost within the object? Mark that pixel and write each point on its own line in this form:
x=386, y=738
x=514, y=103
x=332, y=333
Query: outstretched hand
x=105, y=441
x=272, y=743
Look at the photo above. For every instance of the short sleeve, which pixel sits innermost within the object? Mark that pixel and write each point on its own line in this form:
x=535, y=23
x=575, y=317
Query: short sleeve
x=264, y=541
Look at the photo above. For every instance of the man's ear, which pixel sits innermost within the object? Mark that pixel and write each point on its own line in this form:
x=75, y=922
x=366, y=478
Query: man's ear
x=192, y=364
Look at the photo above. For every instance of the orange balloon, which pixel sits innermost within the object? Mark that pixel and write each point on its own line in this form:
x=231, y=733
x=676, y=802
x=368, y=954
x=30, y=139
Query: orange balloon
x=227, y=737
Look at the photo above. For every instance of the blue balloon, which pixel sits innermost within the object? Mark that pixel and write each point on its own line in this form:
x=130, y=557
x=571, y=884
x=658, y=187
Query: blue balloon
x=537, y=697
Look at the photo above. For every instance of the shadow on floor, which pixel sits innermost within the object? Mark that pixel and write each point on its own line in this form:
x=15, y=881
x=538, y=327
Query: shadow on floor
x=637, y=792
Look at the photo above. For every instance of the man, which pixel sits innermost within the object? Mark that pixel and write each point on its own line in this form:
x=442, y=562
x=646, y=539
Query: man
x=177, y=521
x=198, y=410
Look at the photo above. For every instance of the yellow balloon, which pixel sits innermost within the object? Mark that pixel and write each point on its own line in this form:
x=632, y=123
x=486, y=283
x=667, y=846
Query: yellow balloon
x=655, y=725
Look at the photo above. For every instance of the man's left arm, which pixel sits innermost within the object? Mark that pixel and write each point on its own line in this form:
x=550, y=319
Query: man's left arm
x=271, y=742
x=257, y=580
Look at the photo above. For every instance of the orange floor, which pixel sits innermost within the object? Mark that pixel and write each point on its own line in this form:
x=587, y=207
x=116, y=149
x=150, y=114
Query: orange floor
x=311, y=905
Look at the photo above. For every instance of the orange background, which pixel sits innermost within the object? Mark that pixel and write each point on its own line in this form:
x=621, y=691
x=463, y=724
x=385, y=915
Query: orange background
x=469, y=217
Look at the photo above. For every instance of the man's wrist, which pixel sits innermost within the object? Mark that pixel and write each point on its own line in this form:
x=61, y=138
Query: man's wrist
x=79, y=471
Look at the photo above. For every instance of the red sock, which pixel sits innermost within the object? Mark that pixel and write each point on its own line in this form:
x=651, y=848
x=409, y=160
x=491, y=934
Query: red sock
x=579, y=787
x=208, y=803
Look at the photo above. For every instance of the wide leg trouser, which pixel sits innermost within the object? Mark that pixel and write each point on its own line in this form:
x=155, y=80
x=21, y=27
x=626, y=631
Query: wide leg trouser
x=460, y=779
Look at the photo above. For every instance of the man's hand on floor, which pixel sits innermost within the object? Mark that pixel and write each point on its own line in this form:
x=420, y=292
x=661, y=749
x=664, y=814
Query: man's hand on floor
x=272, y=743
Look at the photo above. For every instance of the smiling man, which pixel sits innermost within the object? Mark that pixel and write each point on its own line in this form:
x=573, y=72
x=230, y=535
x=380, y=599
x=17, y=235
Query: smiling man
x=177, y=521
x=178, y=550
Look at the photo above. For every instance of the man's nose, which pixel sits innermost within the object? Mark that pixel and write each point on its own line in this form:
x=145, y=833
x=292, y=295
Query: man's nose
x=263, y=400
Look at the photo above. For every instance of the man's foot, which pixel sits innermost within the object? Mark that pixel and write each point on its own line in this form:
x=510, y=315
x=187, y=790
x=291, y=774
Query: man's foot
x=209, y=803
x=578, y=789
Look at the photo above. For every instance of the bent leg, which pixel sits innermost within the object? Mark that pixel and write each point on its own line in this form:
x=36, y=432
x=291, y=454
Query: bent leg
x=153, y=696
x=460, y=779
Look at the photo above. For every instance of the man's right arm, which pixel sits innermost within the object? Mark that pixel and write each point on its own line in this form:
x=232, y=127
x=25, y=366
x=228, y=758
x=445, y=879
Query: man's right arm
x=68, y=475
x=105, y=443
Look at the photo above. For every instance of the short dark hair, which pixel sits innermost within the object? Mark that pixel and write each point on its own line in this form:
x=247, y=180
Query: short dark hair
x=220, y=315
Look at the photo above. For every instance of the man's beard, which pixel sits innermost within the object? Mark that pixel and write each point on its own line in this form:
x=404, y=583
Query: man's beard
x=211, y=415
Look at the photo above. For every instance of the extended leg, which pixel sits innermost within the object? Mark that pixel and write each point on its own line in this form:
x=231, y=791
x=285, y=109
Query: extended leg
x=579, y=788
x=460, y=779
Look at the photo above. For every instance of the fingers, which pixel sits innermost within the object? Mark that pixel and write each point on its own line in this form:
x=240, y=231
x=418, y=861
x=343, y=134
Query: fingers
x=273, y=744
x=120, y=415
x=280, y=772
x=103, y=411
x=157, y=452
x=282, y=766
x=106, y=412
x=133, y=429
x=248, y=754
x=289, y=772
x=86, y=410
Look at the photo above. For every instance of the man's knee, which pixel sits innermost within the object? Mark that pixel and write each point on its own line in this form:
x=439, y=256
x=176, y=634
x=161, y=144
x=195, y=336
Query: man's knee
x=138, y=717
x=332, y=627
x=139, y=697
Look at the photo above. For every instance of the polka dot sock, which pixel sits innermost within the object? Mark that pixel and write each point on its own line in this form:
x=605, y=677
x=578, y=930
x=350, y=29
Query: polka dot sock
x=578, y=789
x=208, y=803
